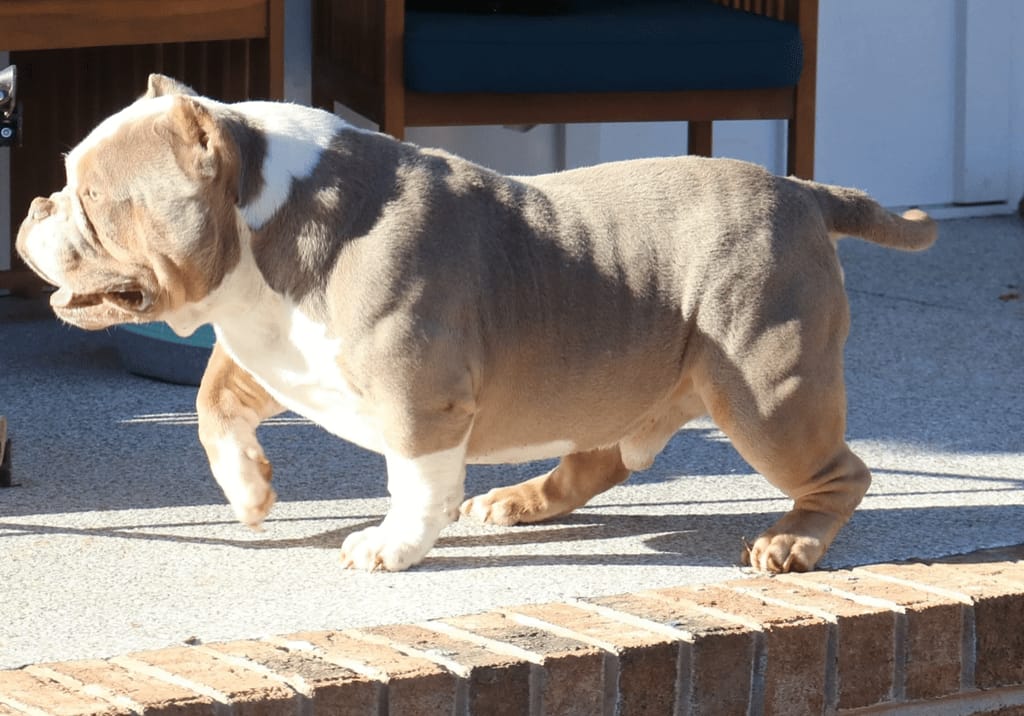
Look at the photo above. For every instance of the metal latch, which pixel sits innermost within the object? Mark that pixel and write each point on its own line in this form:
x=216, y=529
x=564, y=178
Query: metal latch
x=10, y=116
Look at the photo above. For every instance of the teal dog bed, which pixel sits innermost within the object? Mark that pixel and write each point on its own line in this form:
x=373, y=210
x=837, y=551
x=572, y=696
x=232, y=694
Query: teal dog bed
x=153, y=350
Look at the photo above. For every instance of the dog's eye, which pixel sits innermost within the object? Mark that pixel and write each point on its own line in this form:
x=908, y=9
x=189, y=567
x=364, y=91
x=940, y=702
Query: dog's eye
x=93, y=194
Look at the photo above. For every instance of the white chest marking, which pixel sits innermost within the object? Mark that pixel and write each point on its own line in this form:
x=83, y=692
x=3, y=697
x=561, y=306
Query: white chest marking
x=297, y=362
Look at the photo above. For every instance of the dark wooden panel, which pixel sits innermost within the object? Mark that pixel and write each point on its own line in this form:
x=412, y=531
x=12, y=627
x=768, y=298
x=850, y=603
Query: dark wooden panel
x=348, y=57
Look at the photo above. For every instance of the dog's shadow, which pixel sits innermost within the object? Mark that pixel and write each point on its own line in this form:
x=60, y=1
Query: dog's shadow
x=599, y=538
x=871, y=536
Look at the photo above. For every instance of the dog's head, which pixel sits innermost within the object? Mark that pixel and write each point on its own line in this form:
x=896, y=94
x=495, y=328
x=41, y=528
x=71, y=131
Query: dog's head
x=147, y=221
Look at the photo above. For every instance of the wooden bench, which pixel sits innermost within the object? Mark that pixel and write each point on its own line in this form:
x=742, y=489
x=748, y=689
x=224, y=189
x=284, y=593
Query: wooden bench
x=377, y=59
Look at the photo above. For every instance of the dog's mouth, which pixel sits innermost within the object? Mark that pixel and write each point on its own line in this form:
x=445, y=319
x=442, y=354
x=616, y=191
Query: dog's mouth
x=102, y=308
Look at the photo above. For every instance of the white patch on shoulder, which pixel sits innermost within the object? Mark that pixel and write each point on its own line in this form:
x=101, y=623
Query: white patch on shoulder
x=296, y=137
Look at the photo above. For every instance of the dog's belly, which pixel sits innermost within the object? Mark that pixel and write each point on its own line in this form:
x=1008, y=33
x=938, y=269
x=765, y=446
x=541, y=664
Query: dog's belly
x=523, y=453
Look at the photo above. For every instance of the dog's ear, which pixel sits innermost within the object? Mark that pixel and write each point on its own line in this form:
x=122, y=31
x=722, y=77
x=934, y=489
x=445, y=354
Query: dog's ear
x=196, y=138
x=160, y=85
x=216, y=145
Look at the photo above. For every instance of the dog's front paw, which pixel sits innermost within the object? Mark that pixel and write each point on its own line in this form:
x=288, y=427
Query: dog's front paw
x=244, y=476
x=380, y=548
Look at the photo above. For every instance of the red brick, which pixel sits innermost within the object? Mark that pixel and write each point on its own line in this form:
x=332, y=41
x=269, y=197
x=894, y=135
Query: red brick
x=572, y=672
x=865, y=638
x=23, y=689
x=413, y=685
x=795, y=646
x=931, y=626
x=332, y=689
x=646, y=661
x=134, y=690
x=250, y=693
x=720, y=664
x=958, y=579
x=497, y=683
x=998, y=599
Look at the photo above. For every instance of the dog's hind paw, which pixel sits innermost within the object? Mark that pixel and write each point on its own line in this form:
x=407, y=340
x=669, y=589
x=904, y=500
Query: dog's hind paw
x=517, y=504
x=793, y=544
x=782, y=553
x=496, y=508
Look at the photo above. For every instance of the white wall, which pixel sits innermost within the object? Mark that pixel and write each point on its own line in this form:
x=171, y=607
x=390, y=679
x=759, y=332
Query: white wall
x=1016, y=94
x=886, y=98
x=297, y=52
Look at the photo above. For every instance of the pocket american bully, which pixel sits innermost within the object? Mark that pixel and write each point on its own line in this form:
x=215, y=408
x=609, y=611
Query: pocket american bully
x=440, y=313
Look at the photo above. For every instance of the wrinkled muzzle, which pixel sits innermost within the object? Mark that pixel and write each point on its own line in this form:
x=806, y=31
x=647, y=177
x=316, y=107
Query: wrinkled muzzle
x=46, y=235
x=92, y=292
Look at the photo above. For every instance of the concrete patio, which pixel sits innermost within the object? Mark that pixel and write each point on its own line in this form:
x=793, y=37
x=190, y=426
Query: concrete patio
x=117, y=539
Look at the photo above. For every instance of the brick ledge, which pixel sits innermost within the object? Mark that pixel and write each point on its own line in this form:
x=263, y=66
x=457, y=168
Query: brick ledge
x=944, y=637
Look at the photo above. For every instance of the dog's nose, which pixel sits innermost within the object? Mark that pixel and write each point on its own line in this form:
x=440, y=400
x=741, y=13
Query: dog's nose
x=41, y=208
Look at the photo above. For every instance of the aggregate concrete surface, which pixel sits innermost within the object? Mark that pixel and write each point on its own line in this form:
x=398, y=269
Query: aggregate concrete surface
x=118, y=539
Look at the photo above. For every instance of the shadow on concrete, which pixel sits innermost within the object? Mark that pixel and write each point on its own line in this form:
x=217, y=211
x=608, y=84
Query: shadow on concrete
x=609, y=538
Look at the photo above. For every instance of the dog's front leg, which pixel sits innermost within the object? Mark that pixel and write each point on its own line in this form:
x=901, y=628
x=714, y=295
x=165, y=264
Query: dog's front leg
x=426, y=492
x=231, y=404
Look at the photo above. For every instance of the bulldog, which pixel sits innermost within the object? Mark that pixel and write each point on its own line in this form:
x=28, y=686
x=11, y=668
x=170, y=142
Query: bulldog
x=439, y=313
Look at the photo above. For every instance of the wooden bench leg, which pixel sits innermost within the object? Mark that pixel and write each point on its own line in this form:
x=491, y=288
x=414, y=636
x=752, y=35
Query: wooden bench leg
x=698, y=138
x=393, y=124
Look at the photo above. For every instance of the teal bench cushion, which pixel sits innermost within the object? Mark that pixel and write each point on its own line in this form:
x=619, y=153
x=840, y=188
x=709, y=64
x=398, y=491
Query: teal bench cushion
x=600, y=46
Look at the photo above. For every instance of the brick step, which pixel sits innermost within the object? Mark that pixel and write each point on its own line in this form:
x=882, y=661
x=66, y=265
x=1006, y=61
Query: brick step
x=945, y=637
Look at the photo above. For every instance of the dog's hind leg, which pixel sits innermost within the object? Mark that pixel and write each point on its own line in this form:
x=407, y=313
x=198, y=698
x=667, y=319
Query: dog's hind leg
x=784, y=408
x=231, y=404
x=581, y=476
x=576, y=479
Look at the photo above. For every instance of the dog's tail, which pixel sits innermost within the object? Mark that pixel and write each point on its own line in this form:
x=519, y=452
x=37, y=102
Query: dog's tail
x=852, y=212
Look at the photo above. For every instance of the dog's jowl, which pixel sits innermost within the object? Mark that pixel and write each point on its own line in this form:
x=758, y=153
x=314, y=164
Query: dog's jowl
x=439, y=313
